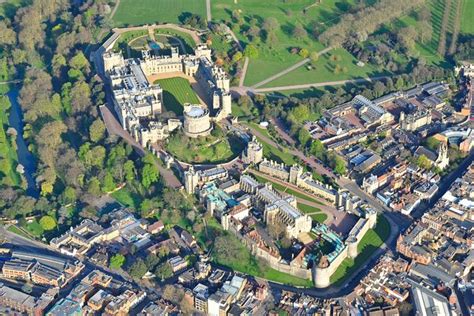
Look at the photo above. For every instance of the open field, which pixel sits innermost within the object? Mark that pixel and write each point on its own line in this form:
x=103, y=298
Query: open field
x=338, y=64
x=177, y=92
x=289, y=14
x=139, y=12
x=467, y=22
x=371, y=241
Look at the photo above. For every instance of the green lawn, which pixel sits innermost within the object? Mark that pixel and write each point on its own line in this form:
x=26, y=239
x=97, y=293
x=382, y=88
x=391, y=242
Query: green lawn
x=139, y=12
x=186, y=39
x=8, y=155
x=338, y=64
x=308, y=209
x=125, y=197
x=177, y=92
x=215, y=148
x=289, y=14
x=14, y=229
x=320, y=218
x=371, y=241
x=467, y=22
x=315, y=213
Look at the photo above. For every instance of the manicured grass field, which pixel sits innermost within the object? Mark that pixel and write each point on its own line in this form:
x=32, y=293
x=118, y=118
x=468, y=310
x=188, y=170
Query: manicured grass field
x=315, y=213
x=139, y=12
x=467, y=22
x=371, y=241
x=289, y=14
x=210, y=149
x=338, y=64
x=8, y=155
x=177, y=92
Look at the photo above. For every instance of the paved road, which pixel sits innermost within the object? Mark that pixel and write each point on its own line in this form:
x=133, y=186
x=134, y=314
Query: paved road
x=244, y=72
x=114, y=127
x=289, y=69
x=11, y=81
x=112, y=14
x=208, y=11
x=322, y=84
x=236, y=40
x=153, y=27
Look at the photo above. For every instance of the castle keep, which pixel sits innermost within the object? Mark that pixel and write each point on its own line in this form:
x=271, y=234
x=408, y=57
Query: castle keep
x=138, y=102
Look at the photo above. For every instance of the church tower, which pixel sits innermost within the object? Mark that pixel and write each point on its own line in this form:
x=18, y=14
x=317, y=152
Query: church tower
x=443, y=159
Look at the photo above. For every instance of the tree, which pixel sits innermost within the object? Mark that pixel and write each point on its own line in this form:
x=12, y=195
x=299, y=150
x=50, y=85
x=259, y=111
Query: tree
x=304, y=53
x=117, y=261
x=317, y=149
x=237, y=56
x=97, y=130
x=425, y=31
x=303, y=136
x=314, y=56
x=272, y=39
x=379, y=89
x=79, y=61
x=251, y=51
x=164, y=270
x=173, y=294
x=270, y=24
x=68, y=195
x=432, y=143
x=423, y=162
x=7, y=34
x=129, y=170
x=80, y=96
x=150, y=175
x=108, y=183
x=399, y=84
x=138, y=269
x=299, y=32
x=47, y=222
x=94, y=186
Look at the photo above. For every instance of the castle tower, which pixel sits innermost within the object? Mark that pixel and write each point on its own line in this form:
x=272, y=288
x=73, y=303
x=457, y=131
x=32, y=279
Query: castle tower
x=191, y=179
x=295, y=172
x=351, y=243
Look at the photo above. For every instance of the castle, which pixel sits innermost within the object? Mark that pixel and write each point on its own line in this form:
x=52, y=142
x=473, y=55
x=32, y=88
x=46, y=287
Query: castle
x=138, y=102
